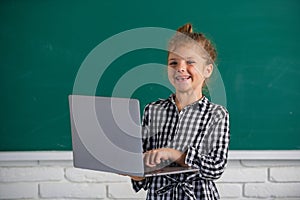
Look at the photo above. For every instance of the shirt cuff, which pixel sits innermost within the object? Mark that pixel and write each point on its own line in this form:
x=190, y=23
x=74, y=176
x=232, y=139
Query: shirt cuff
x=192, y=157
x=138, y=185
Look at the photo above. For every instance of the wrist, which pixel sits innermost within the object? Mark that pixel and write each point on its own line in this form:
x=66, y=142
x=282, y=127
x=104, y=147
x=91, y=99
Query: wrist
x=174, y=154
x=177, y=156
x=137, y=178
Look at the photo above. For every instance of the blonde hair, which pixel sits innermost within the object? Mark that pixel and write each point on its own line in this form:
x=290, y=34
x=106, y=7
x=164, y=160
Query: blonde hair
x=186, y=35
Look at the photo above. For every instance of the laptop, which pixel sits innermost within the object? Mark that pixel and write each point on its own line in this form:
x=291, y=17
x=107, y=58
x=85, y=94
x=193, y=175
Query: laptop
x=106, y=136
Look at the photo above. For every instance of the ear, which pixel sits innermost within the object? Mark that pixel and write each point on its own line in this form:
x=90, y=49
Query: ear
x=208, y=69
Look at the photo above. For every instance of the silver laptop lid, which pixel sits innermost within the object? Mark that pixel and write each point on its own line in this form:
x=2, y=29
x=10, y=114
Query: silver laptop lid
x=106, y=134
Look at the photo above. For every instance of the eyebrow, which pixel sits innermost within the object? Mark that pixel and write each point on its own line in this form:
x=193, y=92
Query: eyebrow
x=184, y=59
x=190, y=58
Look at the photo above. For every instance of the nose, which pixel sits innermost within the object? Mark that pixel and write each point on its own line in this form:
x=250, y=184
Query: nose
x=181, y=67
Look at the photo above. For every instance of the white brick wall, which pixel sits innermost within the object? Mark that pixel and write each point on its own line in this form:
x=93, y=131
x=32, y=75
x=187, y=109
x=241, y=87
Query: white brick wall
x=72, y=190
x=57, y=179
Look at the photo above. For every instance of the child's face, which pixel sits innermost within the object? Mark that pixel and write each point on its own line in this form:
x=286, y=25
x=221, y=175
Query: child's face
x=186, y=69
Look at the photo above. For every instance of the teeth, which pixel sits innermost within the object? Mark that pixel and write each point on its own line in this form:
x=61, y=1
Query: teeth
x=183, y=78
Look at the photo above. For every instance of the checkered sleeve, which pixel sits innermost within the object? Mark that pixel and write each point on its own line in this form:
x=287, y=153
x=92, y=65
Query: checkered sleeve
x=210, y=155
x=138, y=185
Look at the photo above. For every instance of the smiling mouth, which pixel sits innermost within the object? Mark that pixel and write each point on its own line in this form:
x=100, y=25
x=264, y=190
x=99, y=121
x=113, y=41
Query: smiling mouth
x=182, y=78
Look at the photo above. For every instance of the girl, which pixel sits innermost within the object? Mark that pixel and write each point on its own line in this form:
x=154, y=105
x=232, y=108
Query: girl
x=186, y=129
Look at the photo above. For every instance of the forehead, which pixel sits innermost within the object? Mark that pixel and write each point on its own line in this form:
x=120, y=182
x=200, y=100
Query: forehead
x=185, y=51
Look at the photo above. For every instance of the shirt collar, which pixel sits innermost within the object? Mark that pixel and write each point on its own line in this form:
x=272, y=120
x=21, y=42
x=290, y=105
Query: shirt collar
x=203, y=102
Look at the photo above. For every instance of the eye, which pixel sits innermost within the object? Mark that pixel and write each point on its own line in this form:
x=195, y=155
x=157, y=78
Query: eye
x=172, y=63
x=190, y=62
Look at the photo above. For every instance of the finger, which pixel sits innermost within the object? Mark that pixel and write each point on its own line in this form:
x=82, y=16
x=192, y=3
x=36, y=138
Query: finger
x=147, y=159
x=152, y=155
x=157, y=158
x=137, y=178
x=123, y=175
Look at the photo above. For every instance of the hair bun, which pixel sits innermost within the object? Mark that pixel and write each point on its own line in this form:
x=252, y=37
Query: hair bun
x=187, y=28
x=187, y=34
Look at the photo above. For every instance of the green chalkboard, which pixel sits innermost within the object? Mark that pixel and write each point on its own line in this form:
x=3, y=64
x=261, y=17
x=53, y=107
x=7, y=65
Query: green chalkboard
x=43, y=45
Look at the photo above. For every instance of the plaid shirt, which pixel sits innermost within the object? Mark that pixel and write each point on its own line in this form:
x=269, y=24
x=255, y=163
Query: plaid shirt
x=202, y=131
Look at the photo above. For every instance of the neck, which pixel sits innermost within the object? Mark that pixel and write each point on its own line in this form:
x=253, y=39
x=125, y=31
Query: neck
x=184, y=99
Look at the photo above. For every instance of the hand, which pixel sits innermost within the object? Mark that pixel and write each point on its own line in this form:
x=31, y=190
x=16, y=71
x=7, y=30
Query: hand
x=156, y=156
x=135, y=178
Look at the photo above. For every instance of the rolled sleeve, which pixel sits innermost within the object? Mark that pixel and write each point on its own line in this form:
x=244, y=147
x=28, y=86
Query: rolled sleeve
x=212, y=163
x=138, y=185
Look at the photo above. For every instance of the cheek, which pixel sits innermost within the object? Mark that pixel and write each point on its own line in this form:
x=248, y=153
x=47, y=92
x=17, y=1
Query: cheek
x=171, y=76
x=170, y=71
x=196, y=72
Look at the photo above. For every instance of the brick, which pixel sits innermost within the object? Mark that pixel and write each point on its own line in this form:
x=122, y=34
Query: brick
x=270, y=163
x=30, y=174
x=124, y=191
x=61, y=163
x=234, y=163
x=230, y=190
x=72, y=190
x=285, y=174
x=240, y=198
x=18, y=190
x=285, y=198
x=240, y=175
x=18, y=163
x=82, y=175
x=265, y=190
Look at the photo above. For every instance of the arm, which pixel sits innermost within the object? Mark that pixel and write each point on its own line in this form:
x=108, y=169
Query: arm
x=141, y=182
x=211, y=164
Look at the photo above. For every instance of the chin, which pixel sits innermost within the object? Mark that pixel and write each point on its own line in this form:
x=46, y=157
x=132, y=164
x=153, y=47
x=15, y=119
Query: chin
x=183, y=90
